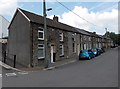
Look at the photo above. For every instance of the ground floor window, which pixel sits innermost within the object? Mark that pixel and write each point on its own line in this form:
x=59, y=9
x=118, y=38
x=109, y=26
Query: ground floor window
x=85, y=46
x=90, y=46
x=73, y=47
x=41, y=52
x=61, y=50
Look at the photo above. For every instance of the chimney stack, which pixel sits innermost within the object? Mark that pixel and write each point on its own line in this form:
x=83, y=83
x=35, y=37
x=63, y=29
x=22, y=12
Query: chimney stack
x=55, y=18
x=94, y=32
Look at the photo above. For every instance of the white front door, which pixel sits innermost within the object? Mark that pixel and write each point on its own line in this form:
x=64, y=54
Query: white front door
x=78, y=49
x=51, y=54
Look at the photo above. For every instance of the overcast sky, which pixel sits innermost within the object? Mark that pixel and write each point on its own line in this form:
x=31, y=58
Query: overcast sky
x=99, y=15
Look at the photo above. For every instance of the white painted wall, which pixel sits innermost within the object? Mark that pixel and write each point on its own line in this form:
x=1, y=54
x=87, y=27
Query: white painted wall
x=3, y=27
x=0, y=26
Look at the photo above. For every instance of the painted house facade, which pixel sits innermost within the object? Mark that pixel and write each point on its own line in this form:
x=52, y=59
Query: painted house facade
x=4, y=23
x=3, y=35
x=3, y=47
x=26, y=39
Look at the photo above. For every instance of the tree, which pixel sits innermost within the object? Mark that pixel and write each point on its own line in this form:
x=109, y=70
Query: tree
x=114, y=37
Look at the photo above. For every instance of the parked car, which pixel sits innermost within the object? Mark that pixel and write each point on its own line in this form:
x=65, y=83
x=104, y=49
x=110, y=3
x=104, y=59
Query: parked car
x=102, y=50
x=91, y=54
x=113, y=46
x=94, y=50
x=98, y=51
x=84, y=54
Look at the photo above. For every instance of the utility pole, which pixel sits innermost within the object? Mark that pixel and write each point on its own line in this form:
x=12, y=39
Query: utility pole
x=106, y=31
x=2, y=35
x=47, y=60
x=45, y=35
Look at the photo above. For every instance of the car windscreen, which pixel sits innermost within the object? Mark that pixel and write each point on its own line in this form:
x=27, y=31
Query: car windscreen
x=89, y=51
x=84, y=51
x=93, y=50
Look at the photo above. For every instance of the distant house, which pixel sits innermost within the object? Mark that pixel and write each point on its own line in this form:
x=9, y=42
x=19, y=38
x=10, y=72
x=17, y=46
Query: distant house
x=26, y=39
x=3, y=47
x=4, y=23
x=3, y=35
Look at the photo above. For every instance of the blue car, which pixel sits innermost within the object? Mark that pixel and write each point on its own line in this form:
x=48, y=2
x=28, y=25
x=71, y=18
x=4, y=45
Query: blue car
x=91, y=54
x=98, y=51
x=94, y=51
x=84, y=54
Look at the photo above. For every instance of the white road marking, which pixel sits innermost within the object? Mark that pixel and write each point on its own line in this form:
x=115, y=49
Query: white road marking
x=11, y=74
x=22, y=73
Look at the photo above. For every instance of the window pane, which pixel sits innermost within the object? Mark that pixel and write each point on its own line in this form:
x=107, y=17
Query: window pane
x=61, y=36
x=73, y=47
x=40, y=35
x=40, y=45
x=60, y=51
x=40, y=53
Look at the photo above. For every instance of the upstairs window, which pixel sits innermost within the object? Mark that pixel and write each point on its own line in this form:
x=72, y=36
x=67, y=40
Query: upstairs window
x=73, y=36
x=40, y=33
x=89, y=38
x=61, y=36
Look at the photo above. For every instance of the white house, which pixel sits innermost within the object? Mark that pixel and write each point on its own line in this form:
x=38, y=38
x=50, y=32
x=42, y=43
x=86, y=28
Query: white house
x=4, y=23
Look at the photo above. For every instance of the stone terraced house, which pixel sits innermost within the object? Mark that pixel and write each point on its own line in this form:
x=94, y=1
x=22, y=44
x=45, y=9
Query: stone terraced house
x=26, y=39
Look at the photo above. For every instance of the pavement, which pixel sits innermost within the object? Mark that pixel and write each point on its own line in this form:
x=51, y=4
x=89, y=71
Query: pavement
x=7, y=66
x=9, y=63
x=52, y=65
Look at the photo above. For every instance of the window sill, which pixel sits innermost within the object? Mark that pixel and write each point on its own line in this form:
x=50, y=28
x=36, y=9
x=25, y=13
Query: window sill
x=40, y=39
x=41, y=58
x=61, y=40
x=61, y=55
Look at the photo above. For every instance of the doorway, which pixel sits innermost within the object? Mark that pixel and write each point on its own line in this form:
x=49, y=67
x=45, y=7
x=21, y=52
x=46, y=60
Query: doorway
x=78, y=49
x=53, y=54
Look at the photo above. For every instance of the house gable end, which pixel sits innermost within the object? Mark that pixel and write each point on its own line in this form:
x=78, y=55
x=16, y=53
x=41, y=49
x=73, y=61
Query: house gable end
x=18, y=10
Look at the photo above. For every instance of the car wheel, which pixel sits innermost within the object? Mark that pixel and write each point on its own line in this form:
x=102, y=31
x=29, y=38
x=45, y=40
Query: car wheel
x=89, y=58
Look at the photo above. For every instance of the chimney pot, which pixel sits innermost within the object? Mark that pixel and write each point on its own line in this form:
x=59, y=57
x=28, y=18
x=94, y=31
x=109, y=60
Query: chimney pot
x=55, y=18
x=94, y=32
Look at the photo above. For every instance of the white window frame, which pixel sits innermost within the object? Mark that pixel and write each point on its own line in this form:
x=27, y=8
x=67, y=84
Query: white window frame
x=75, y=47
x=62, y=50
x=61, y=35
x=73, y=36
x=89, y=38
x=43, y=51
x=40, y=32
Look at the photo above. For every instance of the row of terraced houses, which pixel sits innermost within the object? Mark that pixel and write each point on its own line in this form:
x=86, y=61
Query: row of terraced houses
x=26, y=39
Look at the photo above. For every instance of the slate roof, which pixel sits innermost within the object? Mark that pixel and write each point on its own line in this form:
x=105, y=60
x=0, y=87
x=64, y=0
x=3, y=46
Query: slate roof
x=51, y=23
x=39, y=19
x=83, y=31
